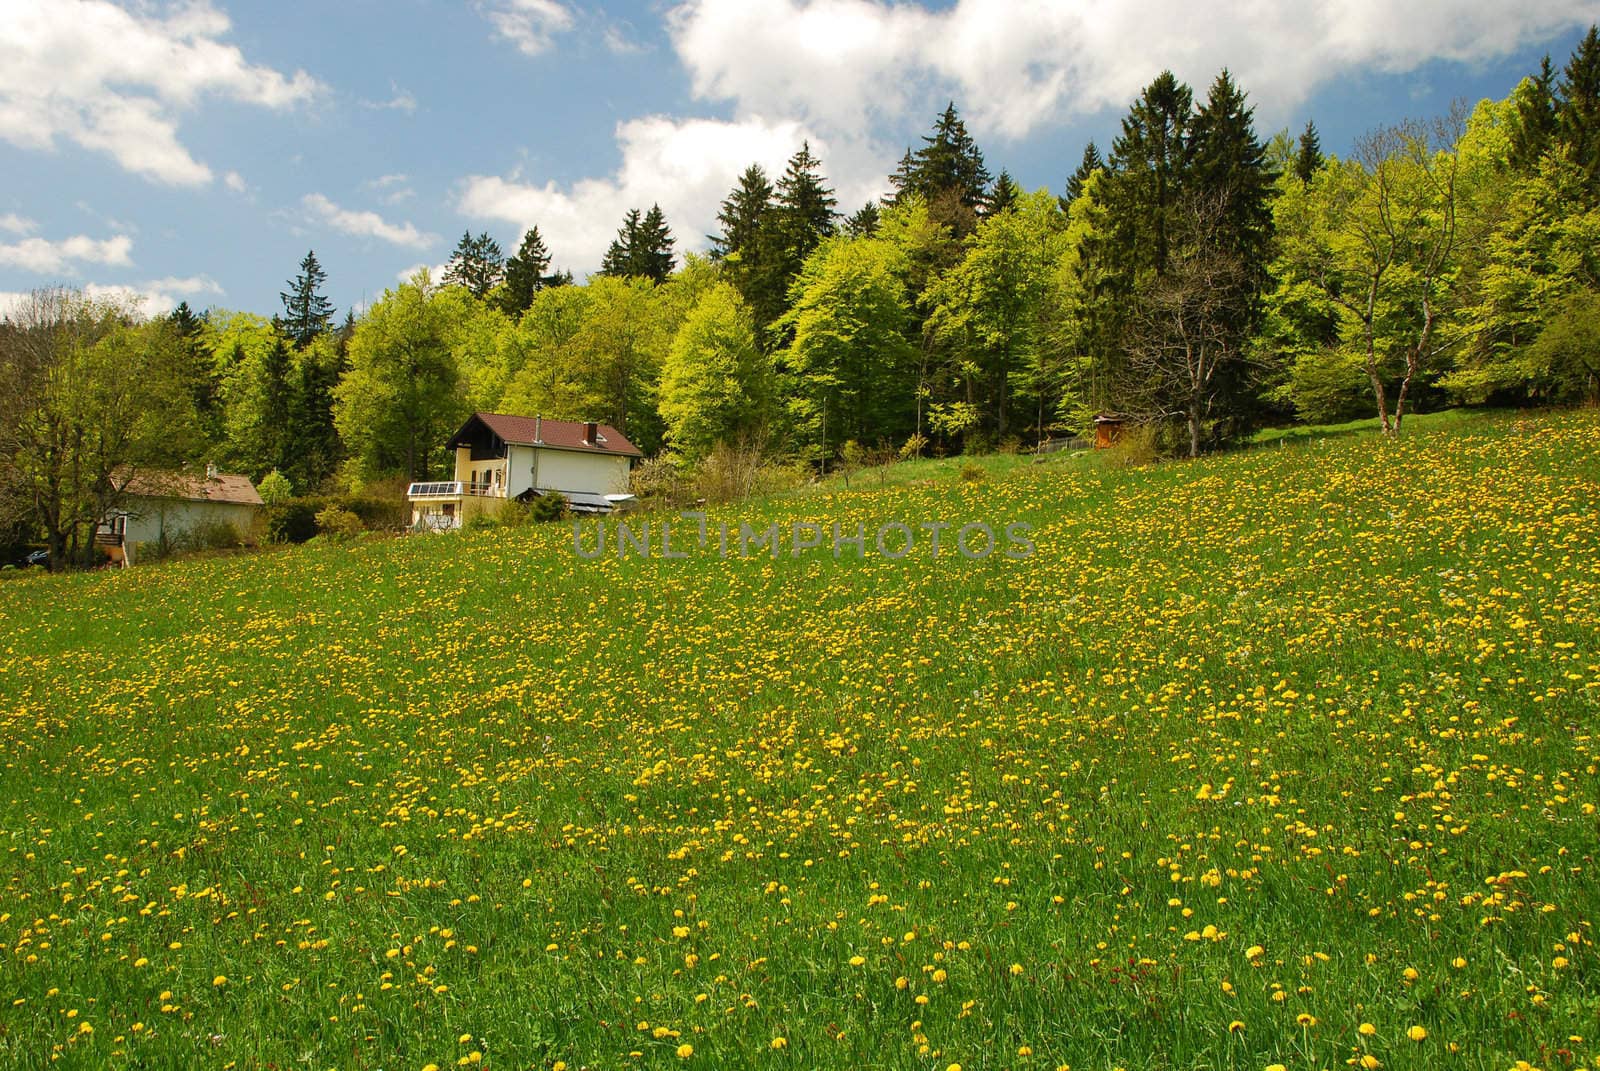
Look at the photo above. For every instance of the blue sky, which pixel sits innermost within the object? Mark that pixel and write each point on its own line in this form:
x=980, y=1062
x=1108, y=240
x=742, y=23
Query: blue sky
x=196, y=150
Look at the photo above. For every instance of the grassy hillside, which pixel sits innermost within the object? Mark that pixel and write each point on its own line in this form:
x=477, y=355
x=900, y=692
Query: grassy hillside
x=1286, y=757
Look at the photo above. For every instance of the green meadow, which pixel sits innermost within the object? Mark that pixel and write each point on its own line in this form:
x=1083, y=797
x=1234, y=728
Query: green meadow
x=1282, y=757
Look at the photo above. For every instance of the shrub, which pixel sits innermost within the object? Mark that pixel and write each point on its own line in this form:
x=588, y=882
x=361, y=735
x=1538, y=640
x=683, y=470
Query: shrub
x=275, y=488
x=660, y=480
x=338, y=523
x=207, y=535
x=972, y=472
x=550, y=506
x=377, y=511
x=1137, y=445
x=294, y=521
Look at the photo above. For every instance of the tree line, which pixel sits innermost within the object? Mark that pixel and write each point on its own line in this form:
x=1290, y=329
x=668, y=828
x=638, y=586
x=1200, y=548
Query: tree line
x=1195, y=278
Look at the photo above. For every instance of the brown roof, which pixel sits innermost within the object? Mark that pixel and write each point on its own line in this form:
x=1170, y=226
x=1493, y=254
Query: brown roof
x=559, y=434
x=194, y=487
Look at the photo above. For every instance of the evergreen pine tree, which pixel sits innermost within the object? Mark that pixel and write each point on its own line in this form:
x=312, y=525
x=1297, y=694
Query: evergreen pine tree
x=1233, y=185
x=1536, y=118
x=653, y=257
x=1150, y=161
x=805, y=205
x=904, y=175
x=949, y=160
x=315, y=448
x=1003, y=197
x=619, y=256
x=1578, y=115
x=199, y=369
x=864, y=223
x=526, y=274
x=1091, y=163
x=750, y=247
x=743, y=215
x=476, y=264
x=1309, y=159
x=306, y=312
x=276, y=442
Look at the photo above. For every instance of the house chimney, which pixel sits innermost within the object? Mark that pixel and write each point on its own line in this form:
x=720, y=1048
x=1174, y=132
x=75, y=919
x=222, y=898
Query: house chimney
x=538, y=429
x=590, y=430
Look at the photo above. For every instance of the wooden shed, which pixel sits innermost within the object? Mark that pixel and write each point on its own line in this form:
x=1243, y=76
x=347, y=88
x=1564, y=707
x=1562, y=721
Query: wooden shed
x=1107, y=429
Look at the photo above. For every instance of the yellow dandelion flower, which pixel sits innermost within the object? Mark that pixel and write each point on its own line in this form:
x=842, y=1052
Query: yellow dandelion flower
x=685, y=1051
x=1417, y=1033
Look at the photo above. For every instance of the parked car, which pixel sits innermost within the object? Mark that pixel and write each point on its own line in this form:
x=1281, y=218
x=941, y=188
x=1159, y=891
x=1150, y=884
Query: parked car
x=38, y=557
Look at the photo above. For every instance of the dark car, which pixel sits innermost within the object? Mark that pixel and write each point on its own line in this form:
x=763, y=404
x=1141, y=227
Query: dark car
x=38, y=557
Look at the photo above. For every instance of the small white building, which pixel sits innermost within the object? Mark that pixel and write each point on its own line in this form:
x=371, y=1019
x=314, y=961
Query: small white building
x=167, y=509
x=500, y=457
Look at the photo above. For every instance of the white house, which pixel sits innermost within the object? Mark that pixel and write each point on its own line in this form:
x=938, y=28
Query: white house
x=499, y=457
x=169, y=508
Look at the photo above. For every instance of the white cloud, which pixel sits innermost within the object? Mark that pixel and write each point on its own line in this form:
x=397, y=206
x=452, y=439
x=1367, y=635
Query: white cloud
x=364, y=224
x=144, y=300
x=687, y=166
x=400, y=100
x=234, y=181
x=435, y=272
x=187, y=286
x=12, y=223
x=531, y=25
x=115, y=79
x=844, y=64
x=390, y=189
x=147, y=301
x=44, y=257
x=620, y=40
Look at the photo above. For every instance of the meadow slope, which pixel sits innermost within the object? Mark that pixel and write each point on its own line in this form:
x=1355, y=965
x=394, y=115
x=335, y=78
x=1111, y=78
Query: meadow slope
x=1283, y=757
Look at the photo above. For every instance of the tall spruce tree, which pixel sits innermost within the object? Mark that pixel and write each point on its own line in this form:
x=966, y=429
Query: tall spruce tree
x=863, y=223
x=527, y=273
x=642, y=248
x=743, y=215
x=1578, y=115
x=950, y=160
x=1150, y=162
x=199, y=369
x=315, y=449
x=749, y=248
x=1091, y=164
x=277, y=403
x=1232, y=187
x=618, y=260
x=1537, y=121
x=306, y=312
x=904, y=174
x=476, y=264
x=805, y=206
x=1003, y=197
x=654, y=256
x=1309, y=158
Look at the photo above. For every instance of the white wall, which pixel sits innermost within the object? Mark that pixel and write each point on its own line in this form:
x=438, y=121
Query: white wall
x=568, y=470
x=519, y=469
x=149, y=518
